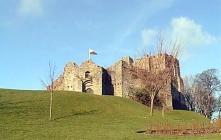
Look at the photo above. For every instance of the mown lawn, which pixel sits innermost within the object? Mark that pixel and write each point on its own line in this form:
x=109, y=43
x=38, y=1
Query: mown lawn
x=25, y=115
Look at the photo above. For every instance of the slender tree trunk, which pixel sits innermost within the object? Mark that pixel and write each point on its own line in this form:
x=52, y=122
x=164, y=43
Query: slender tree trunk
x=151, y=105
x=219, y=114
x=163, y=110
x=51, y=101
x=208, y=111
x=163, y=100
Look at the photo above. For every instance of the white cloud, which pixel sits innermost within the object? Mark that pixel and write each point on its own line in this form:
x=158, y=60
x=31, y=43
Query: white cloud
x=188, y=33
x=30, y=7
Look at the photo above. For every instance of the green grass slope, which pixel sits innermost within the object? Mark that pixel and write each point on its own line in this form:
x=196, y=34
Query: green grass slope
x=25, y=115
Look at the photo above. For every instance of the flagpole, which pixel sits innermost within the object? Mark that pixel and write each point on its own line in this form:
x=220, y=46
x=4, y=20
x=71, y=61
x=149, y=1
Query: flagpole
x=89, y=54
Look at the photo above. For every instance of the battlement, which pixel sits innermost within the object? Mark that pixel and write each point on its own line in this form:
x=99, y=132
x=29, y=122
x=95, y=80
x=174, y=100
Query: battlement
x=91, y=78
x=154, y=63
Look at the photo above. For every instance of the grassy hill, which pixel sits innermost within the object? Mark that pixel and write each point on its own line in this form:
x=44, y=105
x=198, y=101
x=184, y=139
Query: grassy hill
x=24, y=115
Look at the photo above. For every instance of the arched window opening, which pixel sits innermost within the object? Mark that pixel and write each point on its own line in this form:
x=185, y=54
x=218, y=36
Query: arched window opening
x=87, y=74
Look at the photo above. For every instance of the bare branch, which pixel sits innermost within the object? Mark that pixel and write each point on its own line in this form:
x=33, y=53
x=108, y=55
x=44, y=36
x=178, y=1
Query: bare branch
x=49, y=86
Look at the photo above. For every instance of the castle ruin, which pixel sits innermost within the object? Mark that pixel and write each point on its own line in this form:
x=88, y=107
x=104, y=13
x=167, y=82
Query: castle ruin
x=91, y=78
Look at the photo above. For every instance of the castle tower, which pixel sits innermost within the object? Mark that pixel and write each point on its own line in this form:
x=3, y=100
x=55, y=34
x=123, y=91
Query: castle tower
x=115, y=80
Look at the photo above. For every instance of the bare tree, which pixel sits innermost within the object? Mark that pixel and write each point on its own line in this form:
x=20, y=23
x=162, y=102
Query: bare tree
x=151, y=82
x=155, y=82
x=199, y=92
x=190, y=93
x=163, y=102
x=50, y=87
x=219, y=107
x=209, y=84
x=163, y=46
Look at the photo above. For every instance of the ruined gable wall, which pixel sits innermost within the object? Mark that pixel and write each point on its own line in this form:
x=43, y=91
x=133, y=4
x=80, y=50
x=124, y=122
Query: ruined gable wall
x=69, y=80
x=73, y=78
x=95, y=73
x=59, y=83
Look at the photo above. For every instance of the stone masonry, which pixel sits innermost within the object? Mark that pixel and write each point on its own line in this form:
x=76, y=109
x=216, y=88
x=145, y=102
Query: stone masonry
x=90, y=78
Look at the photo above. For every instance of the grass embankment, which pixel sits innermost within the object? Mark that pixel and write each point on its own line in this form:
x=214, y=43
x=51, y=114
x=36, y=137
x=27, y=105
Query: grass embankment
x=24, y=115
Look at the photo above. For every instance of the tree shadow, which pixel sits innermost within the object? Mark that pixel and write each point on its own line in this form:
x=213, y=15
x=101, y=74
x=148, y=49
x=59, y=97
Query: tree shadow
x=77, y=114
x=17, y=104
x=141, y=131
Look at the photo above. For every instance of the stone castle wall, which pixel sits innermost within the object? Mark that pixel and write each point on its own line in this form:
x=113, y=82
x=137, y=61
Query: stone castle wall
x=84, y=78
x=115, y=72
x=88, y=77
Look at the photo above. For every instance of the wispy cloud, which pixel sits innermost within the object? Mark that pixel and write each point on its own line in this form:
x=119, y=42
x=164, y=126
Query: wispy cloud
x=187, y=32
x=30, y=7
x=147, y=10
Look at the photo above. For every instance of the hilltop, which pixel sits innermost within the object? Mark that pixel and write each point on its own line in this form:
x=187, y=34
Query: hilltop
x=24, y=115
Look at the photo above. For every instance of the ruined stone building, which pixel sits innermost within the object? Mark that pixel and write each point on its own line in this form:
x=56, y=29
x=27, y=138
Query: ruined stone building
x=91, y=78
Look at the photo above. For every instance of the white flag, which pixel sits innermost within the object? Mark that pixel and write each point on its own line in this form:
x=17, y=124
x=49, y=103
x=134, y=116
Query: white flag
x=92, y=52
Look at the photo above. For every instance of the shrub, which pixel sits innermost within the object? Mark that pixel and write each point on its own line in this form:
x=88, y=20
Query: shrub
x=218, y=122
x=139, y=95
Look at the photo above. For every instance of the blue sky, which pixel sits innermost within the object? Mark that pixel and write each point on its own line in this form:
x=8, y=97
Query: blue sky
x=32, y=32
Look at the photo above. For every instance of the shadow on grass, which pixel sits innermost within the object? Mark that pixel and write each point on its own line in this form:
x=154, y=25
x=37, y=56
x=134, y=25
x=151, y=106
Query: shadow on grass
x=8, y=104
x=77, y=114
x=141, y=131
